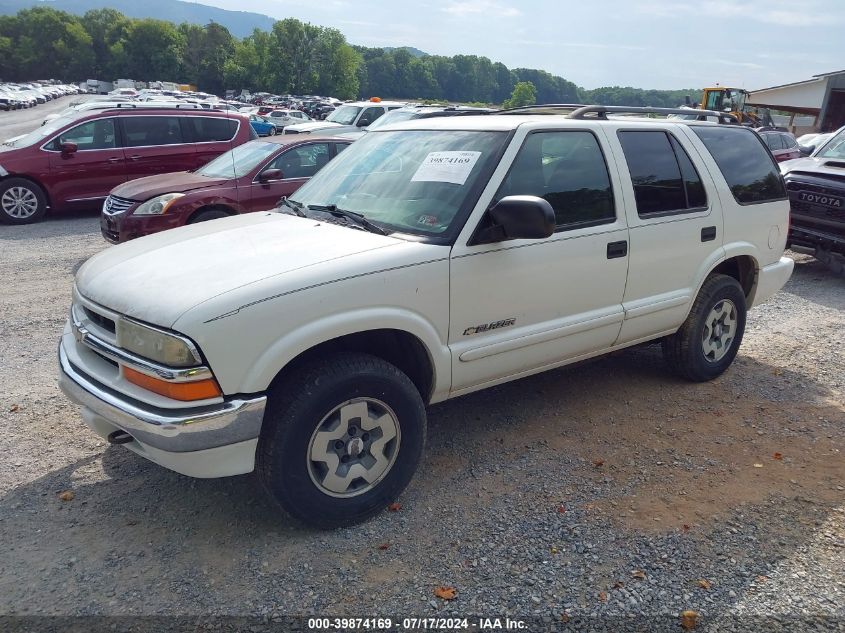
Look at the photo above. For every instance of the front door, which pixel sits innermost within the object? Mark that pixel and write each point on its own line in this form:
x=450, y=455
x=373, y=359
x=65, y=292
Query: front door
x=297, y=165
x=520, y=306
x=85, y=177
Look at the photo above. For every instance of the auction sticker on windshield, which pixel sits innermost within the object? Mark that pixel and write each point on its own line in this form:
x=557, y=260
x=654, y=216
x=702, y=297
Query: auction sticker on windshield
x=453, y=167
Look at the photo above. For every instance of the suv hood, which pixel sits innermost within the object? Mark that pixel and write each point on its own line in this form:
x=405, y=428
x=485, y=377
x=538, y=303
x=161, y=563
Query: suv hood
x=160, y=277
x=311, y=126
x=810, y=164
x=176, y=182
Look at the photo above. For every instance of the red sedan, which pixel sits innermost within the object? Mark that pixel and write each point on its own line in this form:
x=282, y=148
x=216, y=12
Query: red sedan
x=251, y=177
x=782, y=145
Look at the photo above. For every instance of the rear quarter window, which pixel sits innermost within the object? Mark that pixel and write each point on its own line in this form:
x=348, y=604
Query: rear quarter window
x=212, y=129
x=745, y=162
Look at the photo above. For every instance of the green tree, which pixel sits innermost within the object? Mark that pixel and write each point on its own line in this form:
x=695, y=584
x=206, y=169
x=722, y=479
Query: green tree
x=45, y=43
x=154, y=50
x=107, y=28
x=206, y=52
x=524, y=94
x=293, y=48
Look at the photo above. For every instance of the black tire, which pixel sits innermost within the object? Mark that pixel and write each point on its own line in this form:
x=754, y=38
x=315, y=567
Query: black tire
x=208, y=214
x=15, y=188
x=684, y=351
x=296, y=408
x=272, y=131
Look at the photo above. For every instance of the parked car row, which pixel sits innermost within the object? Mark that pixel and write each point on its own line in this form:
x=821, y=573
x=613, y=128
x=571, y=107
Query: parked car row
x=112, y=154
x=75, y=160
x=28, y=95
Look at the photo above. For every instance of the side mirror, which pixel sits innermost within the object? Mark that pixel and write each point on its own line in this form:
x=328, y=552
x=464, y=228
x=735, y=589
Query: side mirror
x=269, y=175
x=806, y=150
x=69, y=148
x=363, y=122
x=523, y=217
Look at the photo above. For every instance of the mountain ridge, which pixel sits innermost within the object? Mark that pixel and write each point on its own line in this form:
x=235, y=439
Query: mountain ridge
x=239, y=23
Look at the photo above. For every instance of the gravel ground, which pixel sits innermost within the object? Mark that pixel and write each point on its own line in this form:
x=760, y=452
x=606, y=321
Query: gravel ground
x=608, y=494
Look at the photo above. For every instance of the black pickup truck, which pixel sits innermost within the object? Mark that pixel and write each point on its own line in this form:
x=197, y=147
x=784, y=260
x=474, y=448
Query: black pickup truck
x=816, y=187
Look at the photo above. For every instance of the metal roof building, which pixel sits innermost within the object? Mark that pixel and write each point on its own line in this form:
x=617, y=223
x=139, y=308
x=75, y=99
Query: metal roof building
x=822, y=97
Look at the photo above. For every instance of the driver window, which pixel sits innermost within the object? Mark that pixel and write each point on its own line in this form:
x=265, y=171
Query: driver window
x=567, y=169
x=303, y=161
x=97, y=134
x=370, y=115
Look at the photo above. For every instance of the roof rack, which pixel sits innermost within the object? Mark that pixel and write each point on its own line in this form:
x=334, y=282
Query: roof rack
x=537, y=108
x=601, y=112
x=153, y=105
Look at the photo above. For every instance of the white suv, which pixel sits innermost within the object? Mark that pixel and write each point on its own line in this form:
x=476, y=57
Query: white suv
x=429, y=260
x=349, y=116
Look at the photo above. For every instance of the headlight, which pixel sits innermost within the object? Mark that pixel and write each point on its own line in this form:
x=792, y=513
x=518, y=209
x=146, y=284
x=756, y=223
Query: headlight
x=158, y=205
x=156, y=345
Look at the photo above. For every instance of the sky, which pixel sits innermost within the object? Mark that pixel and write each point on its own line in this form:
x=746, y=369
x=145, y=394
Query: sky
x=661, y=44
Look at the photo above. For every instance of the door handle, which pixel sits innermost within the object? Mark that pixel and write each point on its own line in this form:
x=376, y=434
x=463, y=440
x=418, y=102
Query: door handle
x=114, y=160
x=708, y=234
x=616, y=250
x=135, y=157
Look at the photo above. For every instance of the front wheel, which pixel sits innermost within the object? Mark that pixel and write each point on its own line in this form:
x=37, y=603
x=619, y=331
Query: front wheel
x=341, y=439
x=208, y=214
x=272, y=131
x=21, y=201
x=708, y=341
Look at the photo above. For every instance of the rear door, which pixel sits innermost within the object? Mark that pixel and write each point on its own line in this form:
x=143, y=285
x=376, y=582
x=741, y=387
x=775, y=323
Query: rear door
x=675, y=226
x=297, y=164
x=211, y=136
x=85, y=177
x=155, y=144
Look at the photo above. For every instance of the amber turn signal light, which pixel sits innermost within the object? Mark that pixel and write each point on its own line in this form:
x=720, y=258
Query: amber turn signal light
x=185, y=391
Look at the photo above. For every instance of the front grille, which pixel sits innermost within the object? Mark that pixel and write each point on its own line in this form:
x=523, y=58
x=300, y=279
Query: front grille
x=104, y=322
x=115, y=205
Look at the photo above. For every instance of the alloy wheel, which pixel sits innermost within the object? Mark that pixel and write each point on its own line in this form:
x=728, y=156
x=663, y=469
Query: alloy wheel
x=353, y=447
x=719, y=330
x=19, y=202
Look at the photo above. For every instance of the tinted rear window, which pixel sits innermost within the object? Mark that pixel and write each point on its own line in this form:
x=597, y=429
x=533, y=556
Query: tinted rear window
x=665, y=180
x=147, y=131
x=210, y=129
x=745, y=162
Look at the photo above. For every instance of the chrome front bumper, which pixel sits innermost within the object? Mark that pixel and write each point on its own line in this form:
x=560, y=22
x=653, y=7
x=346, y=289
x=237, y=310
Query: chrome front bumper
x=172, y=430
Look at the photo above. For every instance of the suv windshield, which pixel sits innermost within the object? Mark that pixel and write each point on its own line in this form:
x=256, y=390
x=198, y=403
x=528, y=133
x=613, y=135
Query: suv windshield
x=239, y=161
x=834, y=148
x=411, y=181
x=345, y=115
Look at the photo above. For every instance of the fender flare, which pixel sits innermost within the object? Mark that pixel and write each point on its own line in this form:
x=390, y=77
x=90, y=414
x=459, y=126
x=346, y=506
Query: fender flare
x=295, y=342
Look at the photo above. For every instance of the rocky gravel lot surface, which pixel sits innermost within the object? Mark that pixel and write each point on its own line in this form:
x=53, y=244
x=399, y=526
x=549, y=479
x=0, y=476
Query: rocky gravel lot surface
x=603, y=496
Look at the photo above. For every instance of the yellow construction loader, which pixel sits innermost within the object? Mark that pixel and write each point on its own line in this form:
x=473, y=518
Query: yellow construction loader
x=733, y=102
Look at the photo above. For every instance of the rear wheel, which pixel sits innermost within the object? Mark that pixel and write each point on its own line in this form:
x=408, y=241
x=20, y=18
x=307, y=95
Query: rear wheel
x=208, y=214
x=708, y=341
x=21, y=201
x=341, y=439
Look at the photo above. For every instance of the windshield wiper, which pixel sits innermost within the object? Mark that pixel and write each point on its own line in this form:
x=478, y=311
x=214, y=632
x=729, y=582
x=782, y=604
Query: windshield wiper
x=332, y=209
x=293, y=205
